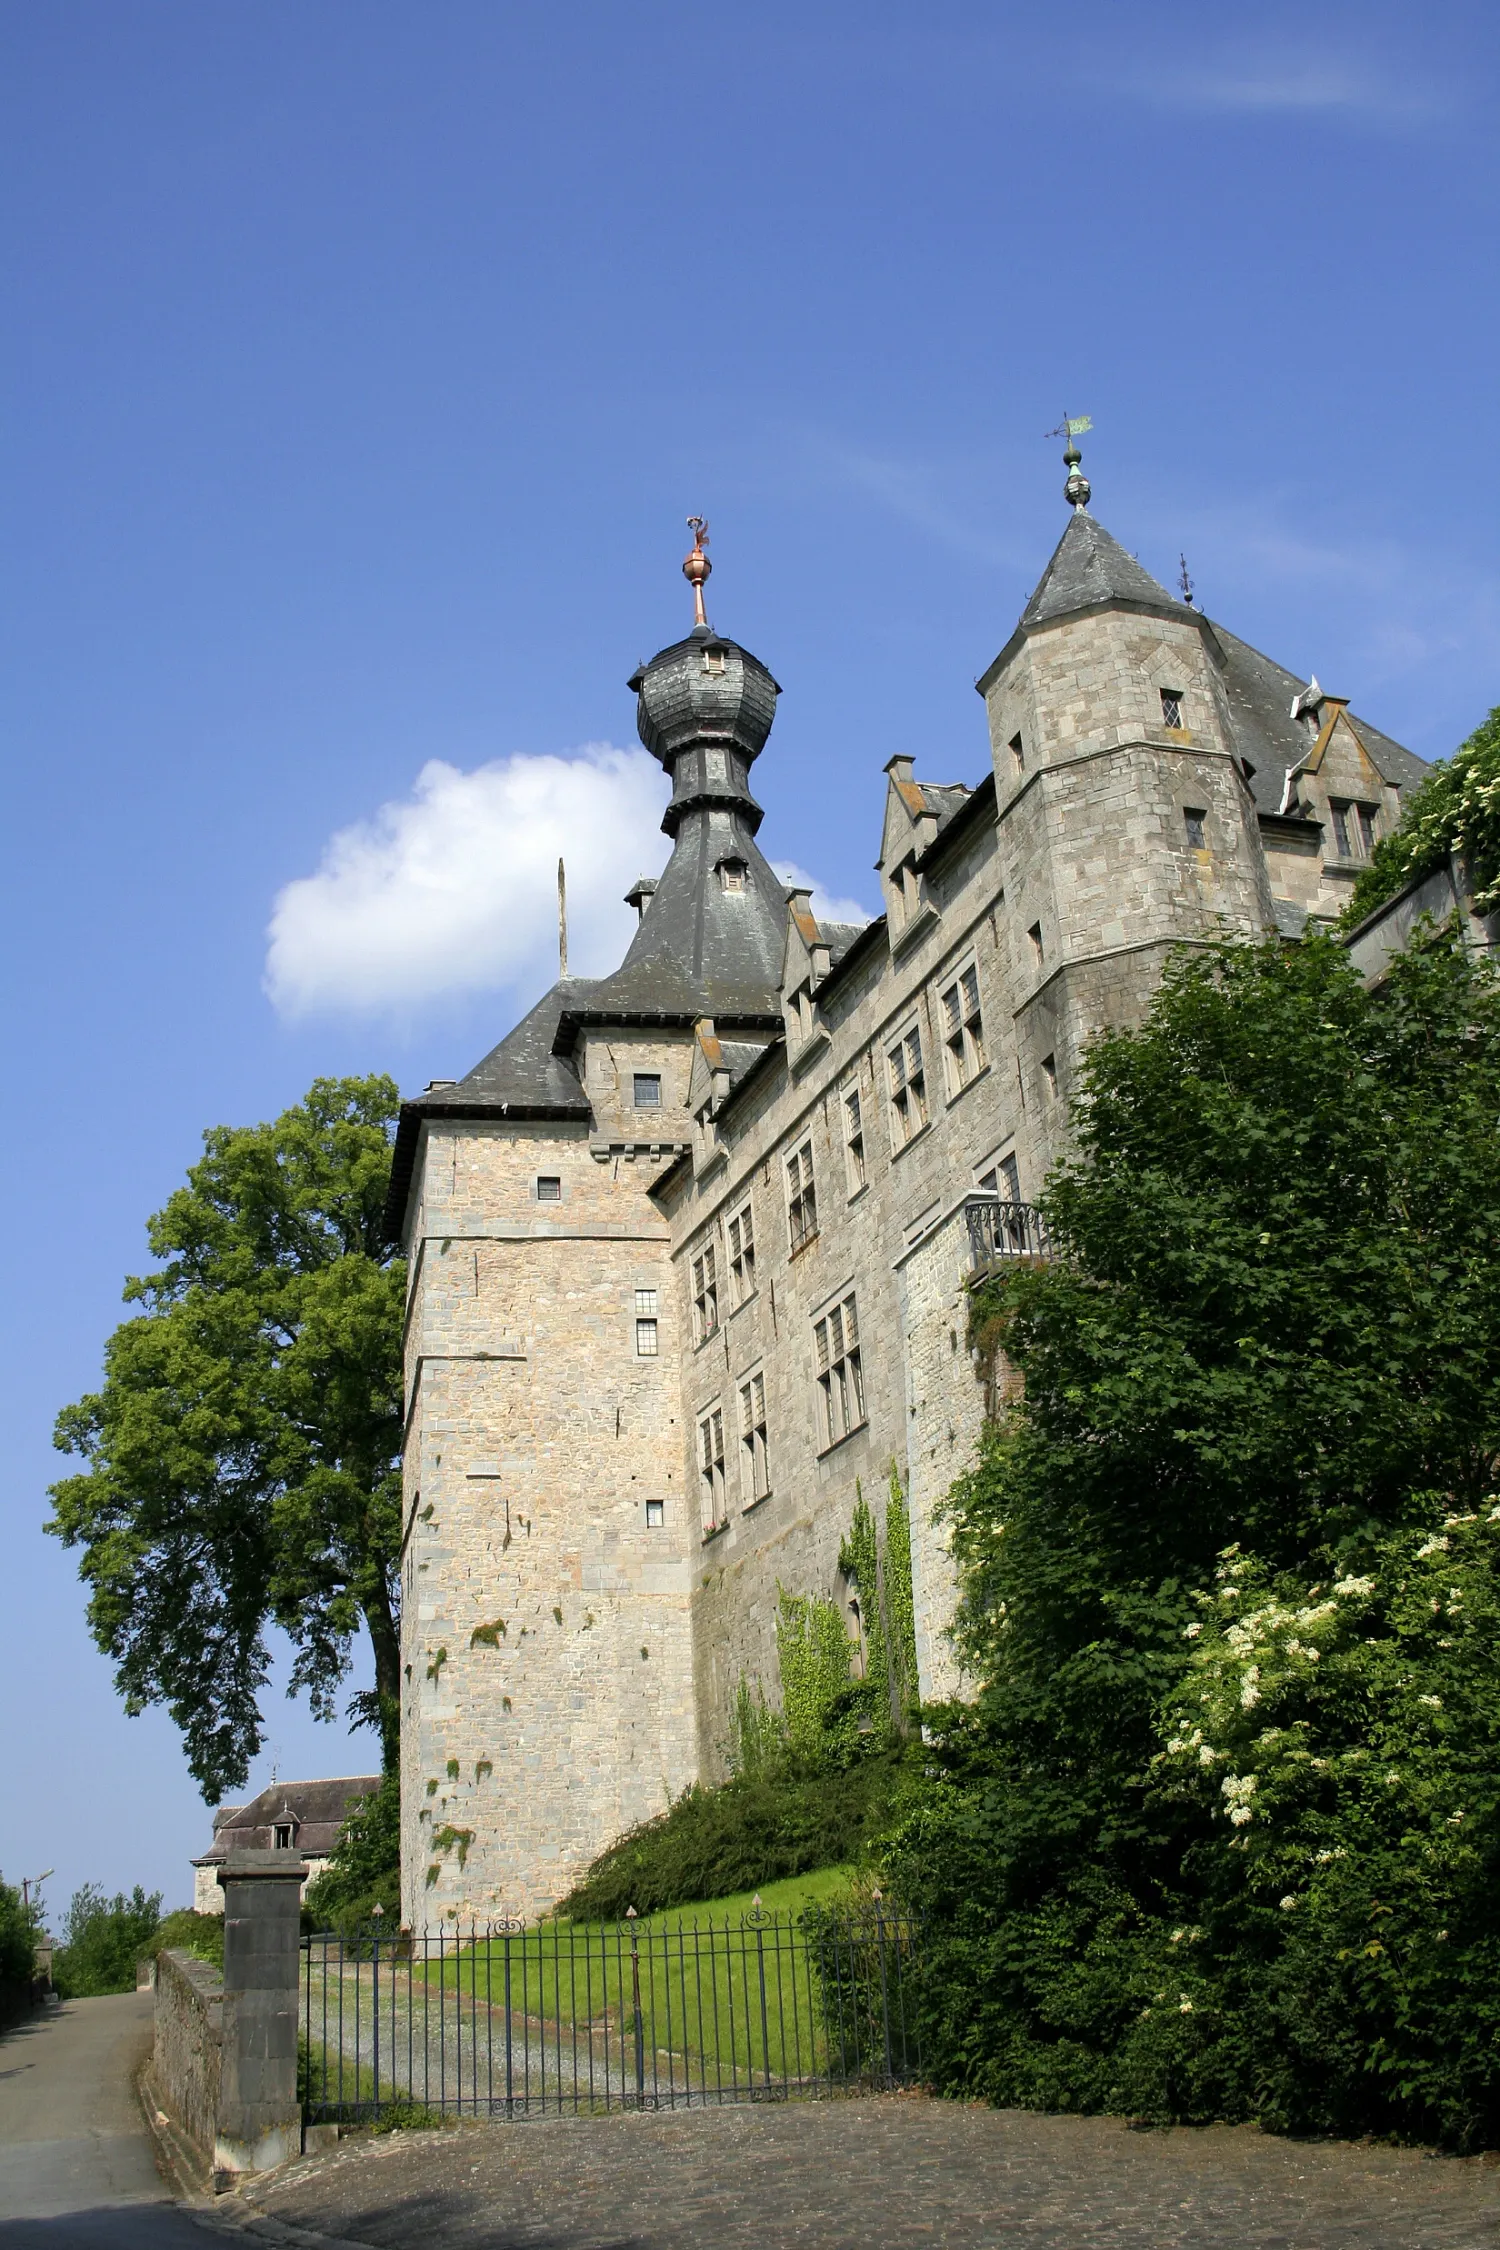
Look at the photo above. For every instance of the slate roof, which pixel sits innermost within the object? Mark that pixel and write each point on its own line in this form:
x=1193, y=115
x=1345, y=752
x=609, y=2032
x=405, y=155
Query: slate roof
x=524, y=1077
x=701, y=950
x=1260, y=695
x=318, y=1808
x=1090, y=567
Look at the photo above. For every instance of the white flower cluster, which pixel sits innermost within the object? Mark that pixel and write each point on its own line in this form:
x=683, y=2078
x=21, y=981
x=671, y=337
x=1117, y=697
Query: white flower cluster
x=1239, y=1789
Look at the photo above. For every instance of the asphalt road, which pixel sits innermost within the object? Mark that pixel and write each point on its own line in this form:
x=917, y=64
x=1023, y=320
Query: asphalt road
x=76, y=2164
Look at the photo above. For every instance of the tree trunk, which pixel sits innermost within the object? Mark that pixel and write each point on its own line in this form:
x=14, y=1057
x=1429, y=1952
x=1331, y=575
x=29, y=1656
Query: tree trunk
x=385, y=1641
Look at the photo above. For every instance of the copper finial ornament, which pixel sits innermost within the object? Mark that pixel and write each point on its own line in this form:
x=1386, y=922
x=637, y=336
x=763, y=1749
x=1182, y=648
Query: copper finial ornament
x=697, y=566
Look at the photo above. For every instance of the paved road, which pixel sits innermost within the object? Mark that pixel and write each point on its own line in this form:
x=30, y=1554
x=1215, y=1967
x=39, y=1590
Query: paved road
x=76, y=2165
x=888, y=2174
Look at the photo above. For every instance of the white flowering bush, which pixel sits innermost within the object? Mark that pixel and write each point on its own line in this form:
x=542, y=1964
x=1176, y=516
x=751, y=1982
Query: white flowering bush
x=1455, y=809
x=1340, y=1744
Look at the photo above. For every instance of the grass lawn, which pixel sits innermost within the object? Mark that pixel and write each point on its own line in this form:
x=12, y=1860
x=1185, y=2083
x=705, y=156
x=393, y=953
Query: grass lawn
x=721, y=1995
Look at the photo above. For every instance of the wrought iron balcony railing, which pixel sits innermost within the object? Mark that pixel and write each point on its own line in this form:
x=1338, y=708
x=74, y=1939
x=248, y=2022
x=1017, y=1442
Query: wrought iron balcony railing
x=999, y=1230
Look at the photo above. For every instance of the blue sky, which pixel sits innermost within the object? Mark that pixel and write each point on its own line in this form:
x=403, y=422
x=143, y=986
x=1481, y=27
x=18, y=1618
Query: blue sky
x=361, y=367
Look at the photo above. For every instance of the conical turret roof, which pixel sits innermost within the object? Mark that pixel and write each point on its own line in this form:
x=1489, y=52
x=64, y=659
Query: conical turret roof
x=1090, y=570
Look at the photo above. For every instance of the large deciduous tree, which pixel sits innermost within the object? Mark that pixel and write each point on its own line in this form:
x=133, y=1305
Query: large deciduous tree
x=1219, y=1834
x=243, y=1452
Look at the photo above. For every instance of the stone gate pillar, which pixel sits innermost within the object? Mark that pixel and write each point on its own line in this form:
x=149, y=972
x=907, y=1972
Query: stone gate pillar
x=260, y=2117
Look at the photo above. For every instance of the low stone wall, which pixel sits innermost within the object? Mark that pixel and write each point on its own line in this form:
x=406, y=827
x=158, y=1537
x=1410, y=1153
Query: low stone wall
x=187, y=2061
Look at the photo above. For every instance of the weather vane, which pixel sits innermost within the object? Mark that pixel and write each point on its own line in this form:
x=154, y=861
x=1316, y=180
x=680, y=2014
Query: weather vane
x=1076, y=490
x=697, y=566
x=1186, y=583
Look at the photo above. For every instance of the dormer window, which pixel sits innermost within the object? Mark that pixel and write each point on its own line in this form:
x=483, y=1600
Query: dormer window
x=284, y=1832
x=733, y=874
x=713, y=661
x=1171, y=709
x=910, y=888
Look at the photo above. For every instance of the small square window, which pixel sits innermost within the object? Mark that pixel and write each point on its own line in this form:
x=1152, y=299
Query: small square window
x=647, y=1089
x=548, y=1188
x=1193, y=822
x=656, y=1514
x=1171, y=709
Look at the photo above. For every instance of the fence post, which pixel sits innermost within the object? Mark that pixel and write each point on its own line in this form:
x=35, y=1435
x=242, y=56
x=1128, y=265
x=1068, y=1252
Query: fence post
x=260, y=2116
x=640, y=2028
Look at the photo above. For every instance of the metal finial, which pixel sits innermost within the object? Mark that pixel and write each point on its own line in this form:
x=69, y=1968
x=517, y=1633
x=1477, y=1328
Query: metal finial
x=1186, y=583
x=1077, y=490
x=697, y=566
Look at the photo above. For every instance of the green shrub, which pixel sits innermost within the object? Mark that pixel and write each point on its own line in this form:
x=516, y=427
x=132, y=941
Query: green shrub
x=187, y=1932
x=18, y=1936
x=1231, y=1582
x=103, y=1938
x=364, y=1868
x=753, y=1830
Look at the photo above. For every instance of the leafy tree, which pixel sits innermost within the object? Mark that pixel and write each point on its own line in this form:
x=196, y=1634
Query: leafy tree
x=1263, y=1375
x=19, y=1930
x=243, y=1453
x=103, y=1938
x=1455, y=809
x=364, y=1867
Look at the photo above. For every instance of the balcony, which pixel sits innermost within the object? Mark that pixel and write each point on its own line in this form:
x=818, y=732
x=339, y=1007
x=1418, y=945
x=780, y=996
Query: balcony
x=1001, y=1233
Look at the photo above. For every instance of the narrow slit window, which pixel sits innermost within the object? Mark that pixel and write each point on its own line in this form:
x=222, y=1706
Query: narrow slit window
x=754, y=1459
x=1049, y=1073
x=801, y=1197
x=742, y=1256
x=647, y=1093
x=1038, y=950
x=908, y=1087
x=1193, y=822
x=840, y=1373
x=705, y=1295
x=1171, y=709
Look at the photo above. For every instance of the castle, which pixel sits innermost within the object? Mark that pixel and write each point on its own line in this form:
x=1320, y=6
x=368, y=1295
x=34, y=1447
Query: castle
x=688, y=1248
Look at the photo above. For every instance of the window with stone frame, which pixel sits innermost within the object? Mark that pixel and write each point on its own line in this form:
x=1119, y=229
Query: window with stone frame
x=908, y=887
x=711, y=1468
x=841, y=1381
x=705, y=1294
x=1171, y=709
x=908, y=1080
x=741, y=1233
x=801, y=1197
x=1353, y=828
x=646, y=1089
x=854, y=1139
x=755, y=1469
x=646, y=1333
x=963, y=1029
x=1003, y=1179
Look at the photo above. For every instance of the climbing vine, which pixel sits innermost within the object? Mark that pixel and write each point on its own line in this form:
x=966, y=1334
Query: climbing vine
x=812, y=1651
x=900, y=1608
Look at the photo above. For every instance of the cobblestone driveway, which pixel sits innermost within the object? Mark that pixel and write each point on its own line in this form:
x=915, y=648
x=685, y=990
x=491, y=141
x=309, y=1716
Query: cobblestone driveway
x=881, y=2175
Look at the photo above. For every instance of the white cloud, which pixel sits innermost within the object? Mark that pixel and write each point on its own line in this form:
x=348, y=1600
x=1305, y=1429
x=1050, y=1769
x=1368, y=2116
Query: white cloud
x=1292, y=84
x=454, y=889
x=825, y=908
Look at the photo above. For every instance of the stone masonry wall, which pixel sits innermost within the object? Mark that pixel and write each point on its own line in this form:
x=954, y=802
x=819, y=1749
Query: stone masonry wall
x=546, y=1661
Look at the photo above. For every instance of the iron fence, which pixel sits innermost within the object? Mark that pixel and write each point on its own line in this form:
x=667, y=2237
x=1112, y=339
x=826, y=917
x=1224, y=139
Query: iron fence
x=999, y=1230
x=516, y=2019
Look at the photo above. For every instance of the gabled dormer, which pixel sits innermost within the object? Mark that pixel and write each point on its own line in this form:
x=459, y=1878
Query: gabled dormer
x=708, y=1090
x=915, y=814
x=805, y=963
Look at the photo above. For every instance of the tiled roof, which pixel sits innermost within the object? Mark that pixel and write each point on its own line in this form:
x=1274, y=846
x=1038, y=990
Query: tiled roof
x=317, y=1809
